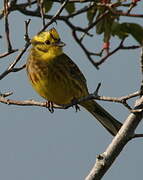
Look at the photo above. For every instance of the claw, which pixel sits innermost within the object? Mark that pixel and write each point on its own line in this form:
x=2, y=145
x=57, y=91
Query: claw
x=49, y=105
x=74, y=102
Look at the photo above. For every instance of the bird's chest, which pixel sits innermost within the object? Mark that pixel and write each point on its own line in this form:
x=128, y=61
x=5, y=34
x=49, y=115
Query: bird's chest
x=53, y=83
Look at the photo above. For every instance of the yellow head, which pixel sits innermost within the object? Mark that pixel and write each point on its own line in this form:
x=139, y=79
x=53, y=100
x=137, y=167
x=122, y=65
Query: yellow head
x=48, y=42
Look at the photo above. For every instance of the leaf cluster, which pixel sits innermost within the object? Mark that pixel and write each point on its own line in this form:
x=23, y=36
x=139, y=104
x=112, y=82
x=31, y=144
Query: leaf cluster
x=110, y=24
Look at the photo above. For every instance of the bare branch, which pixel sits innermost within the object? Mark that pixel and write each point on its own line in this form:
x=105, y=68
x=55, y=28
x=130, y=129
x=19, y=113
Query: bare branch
x=26, y=36
x=120, y=47
x=25, y=102
x=56, y=15
x=8, y=53
x=95, y=96
x=83, y=47
x=106, y=159
x=6, y=12
x=137, y=136
x=141, y=64
x=41, y=6
x=18, y=69
x=6, y=94
x=12, y=65
x=22, y=7
x=10, y=50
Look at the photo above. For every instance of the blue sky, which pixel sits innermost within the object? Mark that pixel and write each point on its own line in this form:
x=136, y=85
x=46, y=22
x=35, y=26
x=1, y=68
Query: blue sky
x=35, y=144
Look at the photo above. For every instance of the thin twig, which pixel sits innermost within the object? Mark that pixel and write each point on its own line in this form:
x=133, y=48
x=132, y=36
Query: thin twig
x=110, y=53
x=132, y=5
x=56, y=15
x=119, y=47
x=137, y=136
x=8, y=53
x=41, y=6
x=84, y=48
x=25, y=102
x=18, y=69
x=6, y=12
x=6, y=94
x=141, y=65
x=12, y=65
x=26, y=36
x=80, y=11
x=109, y=6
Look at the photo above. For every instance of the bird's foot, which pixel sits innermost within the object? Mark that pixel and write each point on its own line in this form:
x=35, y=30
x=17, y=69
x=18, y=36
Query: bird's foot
x=74, y=102
x=49, y=105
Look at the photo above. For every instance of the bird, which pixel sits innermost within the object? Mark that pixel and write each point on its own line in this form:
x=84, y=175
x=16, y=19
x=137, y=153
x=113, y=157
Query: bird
x=56, y=78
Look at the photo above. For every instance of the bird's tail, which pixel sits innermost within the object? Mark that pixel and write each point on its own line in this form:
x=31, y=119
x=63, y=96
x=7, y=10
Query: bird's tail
x=108, y=121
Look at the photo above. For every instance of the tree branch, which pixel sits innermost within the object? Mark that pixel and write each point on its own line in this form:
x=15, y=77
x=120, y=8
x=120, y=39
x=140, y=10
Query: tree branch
x=95, y=96
x=12, y=65
x=106, y=159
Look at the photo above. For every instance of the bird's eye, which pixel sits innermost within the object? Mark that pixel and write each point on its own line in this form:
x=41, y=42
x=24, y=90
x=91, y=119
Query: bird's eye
x=47, y=42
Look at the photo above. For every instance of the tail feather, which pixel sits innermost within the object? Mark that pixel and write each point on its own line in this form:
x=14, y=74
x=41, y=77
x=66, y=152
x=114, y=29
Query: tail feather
x=107, y=120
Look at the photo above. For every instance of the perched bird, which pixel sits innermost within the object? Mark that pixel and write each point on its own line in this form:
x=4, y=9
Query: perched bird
x=57, y=78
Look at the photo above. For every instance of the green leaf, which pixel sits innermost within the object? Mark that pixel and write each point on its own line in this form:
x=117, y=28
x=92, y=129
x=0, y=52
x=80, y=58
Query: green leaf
x=70, y=8
x=117, y=30
x=100, y=24
x=104, y=26
x=135, y=30
x=91, y=13
x=124, y=29
x=47, y=5
x=100, y=27
x=107, y=28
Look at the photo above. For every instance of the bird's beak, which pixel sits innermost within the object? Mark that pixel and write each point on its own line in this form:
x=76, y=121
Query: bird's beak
x=60, y=44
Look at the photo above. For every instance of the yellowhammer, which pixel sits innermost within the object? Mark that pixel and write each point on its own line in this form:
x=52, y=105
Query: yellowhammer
x=57, y=78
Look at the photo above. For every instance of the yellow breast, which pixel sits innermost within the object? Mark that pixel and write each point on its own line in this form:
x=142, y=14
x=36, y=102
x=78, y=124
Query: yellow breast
x=54, y=81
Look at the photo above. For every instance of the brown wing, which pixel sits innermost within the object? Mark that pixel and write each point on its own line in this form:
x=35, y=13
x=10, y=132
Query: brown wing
x=73, y=69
